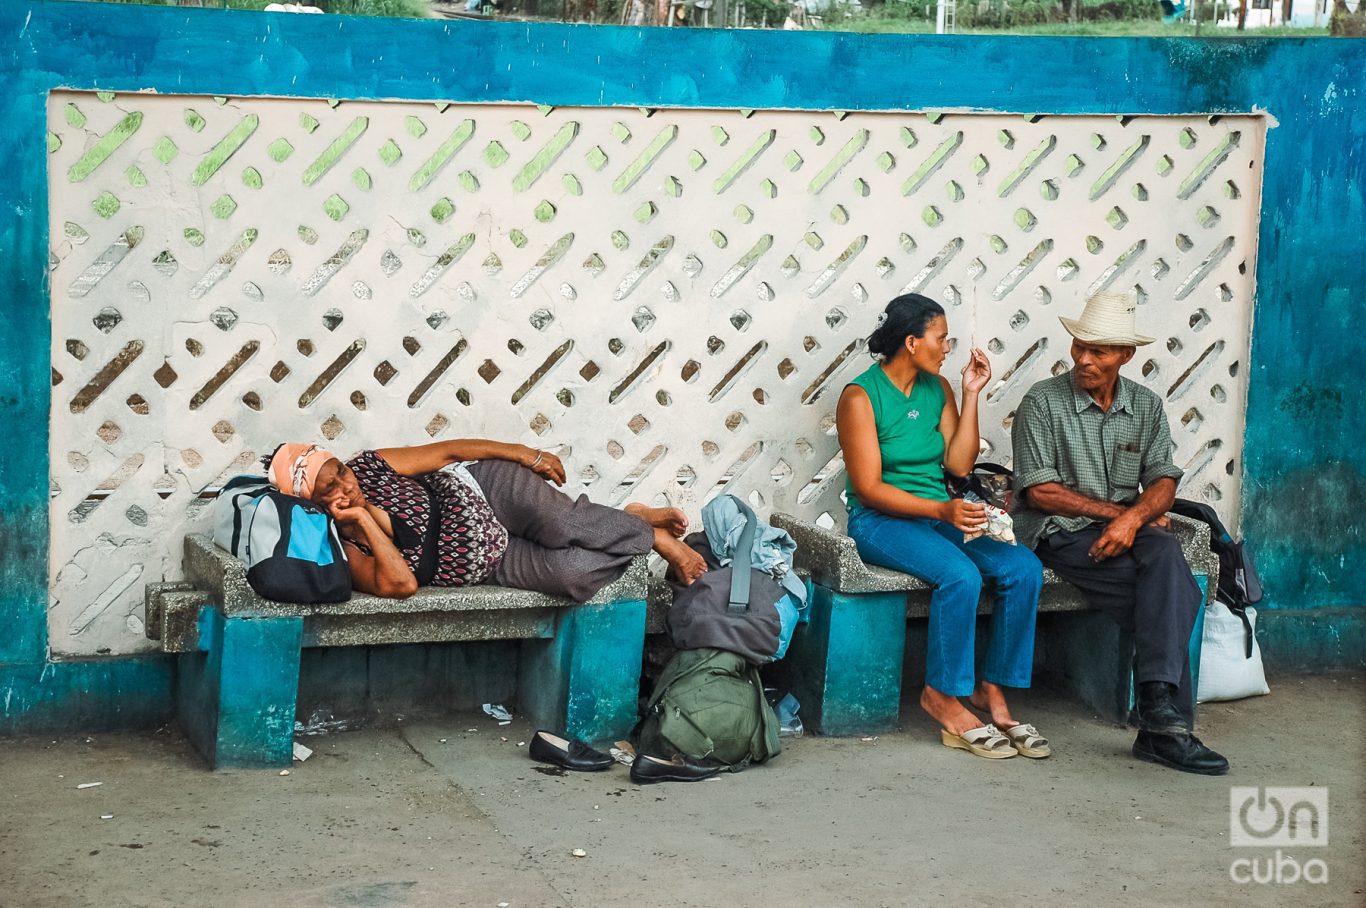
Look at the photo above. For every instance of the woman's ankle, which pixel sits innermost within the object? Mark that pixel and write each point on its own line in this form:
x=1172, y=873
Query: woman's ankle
x=947, y=710
x=991, y=698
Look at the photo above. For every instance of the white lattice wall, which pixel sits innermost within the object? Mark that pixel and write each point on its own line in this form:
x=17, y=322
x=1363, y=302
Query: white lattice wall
x=668, y=296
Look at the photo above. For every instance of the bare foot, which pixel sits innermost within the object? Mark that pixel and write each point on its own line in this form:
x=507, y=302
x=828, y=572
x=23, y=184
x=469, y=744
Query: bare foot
x=687, y=564
x=671, y=519
x=947, y=711
x=989, y=698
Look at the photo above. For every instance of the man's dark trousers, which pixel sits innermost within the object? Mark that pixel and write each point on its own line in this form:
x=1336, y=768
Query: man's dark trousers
x=1149, y=590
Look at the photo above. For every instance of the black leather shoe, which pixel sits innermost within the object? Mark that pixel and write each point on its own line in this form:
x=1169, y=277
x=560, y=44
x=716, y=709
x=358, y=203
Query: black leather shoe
x=570, y=753
x=1156, y=711
x=647, y=770
x=1184, y=752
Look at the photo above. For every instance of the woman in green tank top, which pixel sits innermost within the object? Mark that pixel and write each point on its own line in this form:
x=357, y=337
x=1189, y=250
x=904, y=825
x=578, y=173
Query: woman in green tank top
x=900, y=429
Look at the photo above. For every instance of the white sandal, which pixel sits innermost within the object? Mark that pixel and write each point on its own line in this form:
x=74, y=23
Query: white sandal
x=1028, y=742
x=986, y=741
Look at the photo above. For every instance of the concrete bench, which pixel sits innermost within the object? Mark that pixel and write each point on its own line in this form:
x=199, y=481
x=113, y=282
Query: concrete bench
x=238, y=675
x=846, y=662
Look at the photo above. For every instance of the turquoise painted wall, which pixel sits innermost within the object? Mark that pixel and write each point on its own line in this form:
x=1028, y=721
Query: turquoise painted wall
x=1302, y=488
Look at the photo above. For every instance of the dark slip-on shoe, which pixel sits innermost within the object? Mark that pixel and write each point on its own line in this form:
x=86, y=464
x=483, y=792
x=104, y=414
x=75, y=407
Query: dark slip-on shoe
x=647, y=770
x=570, y=753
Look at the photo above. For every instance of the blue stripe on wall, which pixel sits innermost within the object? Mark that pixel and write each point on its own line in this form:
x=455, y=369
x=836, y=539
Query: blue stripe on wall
x=86, y=696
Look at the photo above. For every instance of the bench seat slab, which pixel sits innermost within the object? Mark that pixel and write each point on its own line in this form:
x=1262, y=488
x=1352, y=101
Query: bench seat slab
x=428, y=627
x=224, y=580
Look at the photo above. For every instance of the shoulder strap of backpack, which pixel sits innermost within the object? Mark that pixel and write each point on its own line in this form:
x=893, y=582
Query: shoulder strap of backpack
x=431, y=542
x=1241, y=612
x=740, y=560
x=1198, y=510
x=238, y=491
x=1230, y=558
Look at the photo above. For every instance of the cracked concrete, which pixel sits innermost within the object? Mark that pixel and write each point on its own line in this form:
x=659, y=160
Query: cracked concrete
x=450, y=811
x=365, y=822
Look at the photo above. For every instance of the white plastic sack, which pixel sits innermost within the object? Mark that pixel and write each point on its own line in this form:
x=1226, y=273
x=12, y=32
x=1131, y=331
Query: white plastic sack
x=1226, y=673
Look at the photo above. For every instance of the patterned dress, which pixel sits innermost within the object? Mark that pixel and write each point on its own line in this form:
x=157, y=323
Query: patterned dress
x=444, y=528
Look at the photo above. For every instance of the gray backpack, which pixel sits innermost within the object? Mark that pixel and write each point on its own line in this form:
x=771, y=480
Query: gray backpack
x=733, y=608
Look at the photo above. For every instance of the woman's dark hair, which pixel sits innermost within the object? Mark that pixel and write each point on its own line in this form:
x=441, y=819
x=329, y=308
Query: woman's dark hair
x=267, y=458
x=906, y=316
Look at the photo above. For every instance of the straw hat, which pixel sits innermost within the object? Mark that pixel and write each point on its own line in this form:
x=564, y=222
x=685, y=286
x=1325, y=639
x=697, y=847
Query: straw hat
x=1108, y=320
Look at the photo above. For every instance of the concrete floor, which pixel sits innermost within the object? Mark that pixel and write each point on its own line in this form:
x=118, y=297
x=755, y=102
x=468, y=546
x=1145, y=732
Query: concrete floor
x=398, y=816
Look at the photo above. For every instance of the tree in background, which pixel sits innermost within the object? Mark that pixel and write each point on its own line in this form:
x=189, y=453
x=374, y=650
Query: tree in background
x=403, y=8
x=1347, y=24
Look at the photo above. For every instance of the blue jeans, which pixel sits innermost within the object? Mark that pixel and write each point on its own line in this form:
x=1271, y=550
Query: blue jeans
x=935, y=552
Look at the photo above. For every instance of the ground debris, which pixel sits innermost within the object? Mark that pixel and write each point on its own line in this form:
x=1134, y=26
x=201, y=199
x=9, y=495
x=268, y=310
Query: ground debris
x=499, y=712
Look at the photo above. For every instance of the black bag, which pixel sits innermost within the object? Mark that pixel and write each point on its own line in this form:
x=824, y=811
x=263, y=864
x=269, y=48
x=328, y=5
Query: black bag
x=729, y=609
x=291, y=547
x=1239, y=586
x=990, y=482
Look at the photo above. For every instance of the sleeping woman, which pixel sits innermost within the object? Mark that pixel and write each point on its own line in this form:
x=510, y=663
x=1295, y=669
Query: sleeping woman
x=467, y=511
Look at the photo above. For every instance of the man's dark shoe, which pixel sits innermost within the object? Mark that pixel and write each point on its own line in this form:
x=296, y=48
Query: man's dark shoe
x=1184, y=752
x=647, y=770
x=570, y=753
x=1156, y=710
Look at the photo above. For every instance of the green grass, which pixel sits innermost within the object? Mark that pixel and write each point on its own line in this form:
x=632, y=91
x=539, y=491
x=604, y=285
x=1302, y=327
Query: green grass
x=890, y=20
x=1152, y=29
x=401, y=8
x=874, y=23
x=214, y=4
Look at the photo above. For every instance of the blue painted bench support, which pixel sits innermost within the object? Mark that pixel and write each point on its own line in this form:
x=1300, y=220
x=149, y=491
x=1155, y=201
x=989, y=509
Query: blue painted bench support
x=235, y=700
x=588, y=672
x=238, y=674
x=846, y=665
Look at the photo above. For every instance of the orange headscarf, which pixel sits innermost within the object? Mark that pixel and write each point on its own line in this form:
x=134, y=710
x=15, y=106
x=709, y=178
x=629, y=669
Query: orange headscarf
x=294, y=468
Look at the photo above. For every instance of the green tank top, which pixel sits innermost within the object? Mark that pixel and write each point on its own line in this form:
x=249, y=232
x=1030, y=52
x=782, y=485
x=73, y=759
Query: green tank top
x=907, y=433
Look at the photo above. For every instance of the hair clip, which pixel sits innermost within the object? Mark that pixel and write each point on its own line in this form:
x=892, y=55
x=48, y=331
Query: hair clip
x=881, y=319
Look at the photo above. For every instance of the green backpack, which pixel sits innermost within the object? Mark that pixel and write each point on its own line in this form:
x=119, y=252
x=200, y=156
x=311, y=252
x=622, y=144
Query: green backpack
x=709, y=704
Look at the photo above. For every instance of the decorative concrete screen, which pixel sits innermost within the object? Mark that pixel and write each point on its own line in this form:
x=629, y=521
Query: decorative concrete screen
x=651, y=292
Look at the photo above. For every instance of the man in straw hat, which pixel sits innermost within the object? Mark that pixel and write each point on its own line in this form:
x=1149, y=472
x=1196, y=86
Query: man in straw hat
x=1093, y=466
